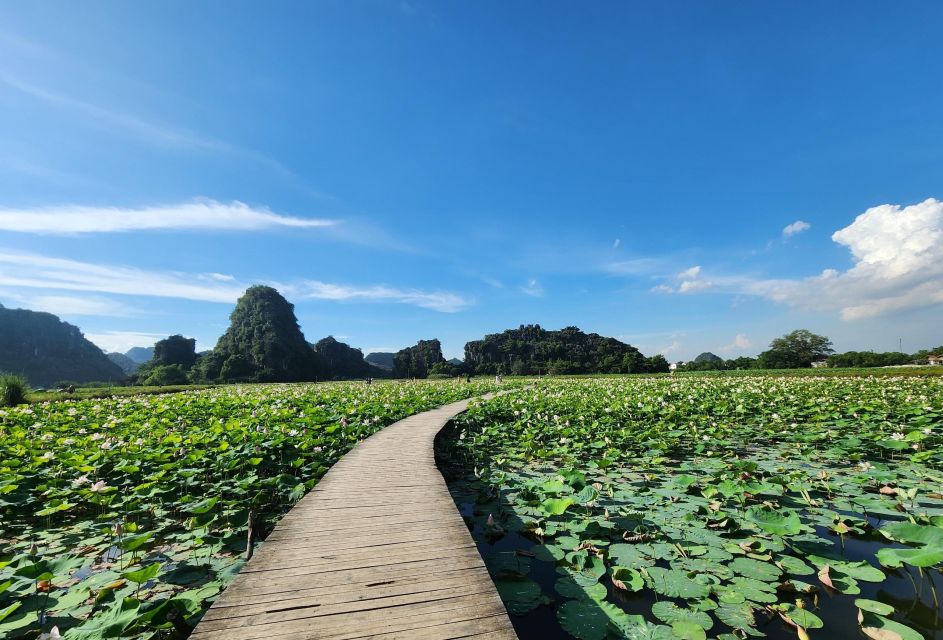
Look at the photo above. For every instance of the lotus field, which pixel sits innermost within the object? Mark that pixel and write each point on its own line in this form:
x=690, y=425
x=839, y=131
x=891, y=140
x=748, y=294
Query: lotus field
x=125, y=517
x=686, y=508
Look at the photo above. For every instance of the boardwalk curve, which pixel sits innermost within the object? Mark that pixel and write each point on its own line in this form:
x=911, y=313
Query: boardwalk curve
x=376, y=550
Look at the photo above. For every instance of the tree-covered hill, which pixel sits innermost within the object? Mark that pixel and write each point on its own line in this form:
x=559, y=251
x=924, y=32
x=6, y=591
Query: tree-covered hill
x=263, y=343
x=127, y=365
x=340, y=361
x=46, y=350
x=418, y=360
x=531, y=349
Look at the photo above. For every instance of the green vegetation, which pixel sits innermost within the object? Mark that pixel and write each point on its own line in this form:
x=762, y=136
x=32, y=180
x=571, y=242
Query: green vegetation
x=533, y=350
x=795, y=350
x=342, y=362
x=711, y=504
x=12, y=390
x=418, y=360
x=126, y=364
x=44, y=349
x=263, y=343
x=118, y=514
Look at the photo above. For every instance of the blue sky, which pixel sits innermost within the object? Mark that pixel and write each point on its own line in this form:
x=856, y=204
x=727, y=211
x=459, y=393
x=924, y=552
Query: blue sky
x=685, y=176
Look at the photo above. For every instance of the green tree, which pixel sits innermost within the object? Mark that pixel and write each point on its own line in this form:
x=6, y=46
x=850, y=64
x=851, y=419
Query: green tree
x=165, y=375
x=796, y=350
x=656, y=364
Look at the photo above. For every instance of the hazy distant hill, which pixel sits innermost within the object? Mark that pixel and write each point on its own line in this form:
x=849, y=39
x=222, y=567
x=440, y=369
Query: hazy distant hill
x=140, y=354
x=127, y=365
x=381, y=359
x=455, y=361
x=46, y=350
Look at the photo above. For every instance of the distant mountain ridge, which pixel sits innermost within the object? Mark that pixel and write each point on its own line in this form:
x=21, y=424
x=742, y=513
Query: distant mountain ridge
x=381, y=359
x=46, y=350
x=140, y=354
x=127, y=365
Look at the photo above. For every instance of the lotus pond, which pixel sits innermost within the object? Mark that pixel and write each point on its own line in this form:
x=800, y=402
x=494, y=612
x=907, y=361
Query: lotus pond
x=125, y=517
x=697, y=507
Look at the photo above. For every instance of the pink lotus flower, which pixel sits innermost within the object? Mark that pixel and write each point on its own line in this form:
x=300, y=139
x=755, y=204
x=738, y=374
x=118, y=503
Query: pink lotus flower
x=98, y=486
x=52, y=635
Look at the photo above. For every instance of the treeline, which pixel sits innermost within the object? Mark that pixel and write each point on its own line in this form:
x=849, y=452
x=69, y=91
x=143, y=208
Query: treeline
x=800, y=349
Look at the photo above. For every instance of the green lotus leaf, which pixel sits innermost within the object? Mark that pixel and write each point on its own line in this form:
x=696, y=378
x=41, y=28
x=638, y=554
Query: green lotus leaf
x=780, y=523
x=880, y=628
x=750, y=568
x=874, y=606
x=109, y=624
x=627, y=579
x=583, y=619
x=687, y=630
x=142, y=575
x=670, y=613
x=913, y=533
x=570, y=588
x=738, y=616
x=927, y=556
x=675, y=584
x=556, y=506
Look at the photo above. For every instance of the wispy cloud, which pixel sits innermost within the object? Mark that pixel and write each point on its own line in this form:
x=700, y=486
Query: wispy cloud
x=533, y=288
x=198, y=214
x=442, y=301
x=796, y=227
x=616, y=243
x=31, y=271
x=65, y=305
x=155, y=132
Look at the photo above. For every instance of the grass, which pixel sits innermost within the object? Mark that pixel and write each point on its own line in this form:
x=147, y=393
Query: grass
x=12, y=390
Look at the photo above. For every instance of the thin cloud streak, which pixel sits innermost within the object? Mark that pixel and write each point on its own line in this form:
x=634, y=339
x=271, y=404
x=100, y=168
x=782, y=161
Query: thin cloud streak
x=30, y=271
x=442, y=301
x=199, y=214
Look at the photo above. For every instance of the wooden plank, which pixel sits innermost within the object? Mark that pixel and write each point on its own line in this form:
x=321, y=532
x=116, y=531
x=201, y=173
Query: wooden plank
x=376, y=550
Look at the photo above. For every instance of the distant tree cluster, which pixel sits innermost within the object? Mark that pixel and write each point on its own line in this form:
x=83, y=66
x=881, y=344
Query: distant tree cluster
x=419, y=360
x=531, y=349
x=799, y=349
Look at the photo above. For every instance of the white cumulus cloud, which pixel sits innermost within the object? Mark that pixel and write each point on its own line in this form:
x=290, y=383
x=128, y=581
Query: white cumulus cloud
x=796, y=227
x=740, y=342
x=898, y=265
x=195, y=215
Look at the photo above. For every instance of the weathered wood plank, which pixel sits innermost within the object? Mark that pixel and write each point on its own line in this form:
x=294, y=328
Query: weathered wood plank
x=375, y=550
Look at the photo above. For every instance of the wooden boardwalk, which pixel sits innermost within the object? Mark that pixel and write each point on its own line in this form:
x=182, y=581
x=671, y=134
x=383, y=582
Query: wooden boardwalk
x=376, y=550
